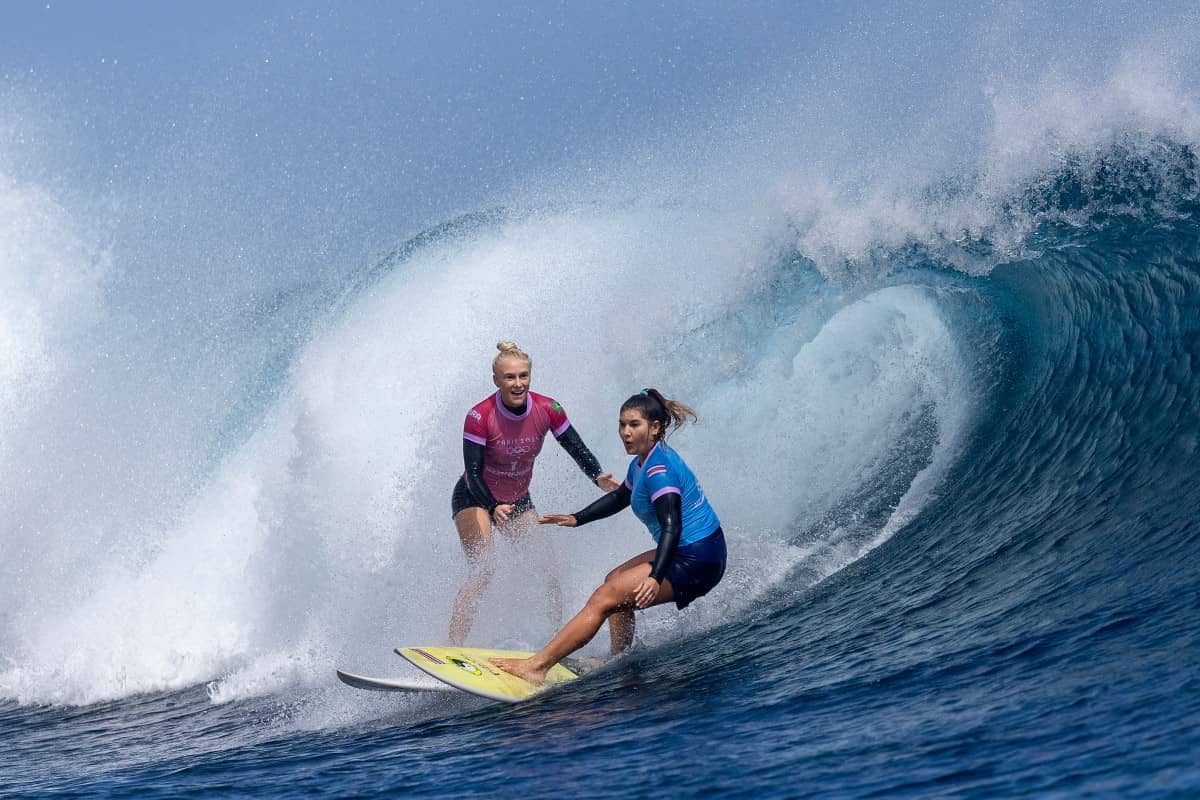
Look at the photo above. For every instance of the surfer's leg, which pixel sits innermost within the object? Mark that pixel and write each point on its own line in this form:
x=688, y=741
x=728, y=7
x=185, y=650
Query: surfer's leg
x=541, y=549
x=475, y=533
x=554, y=592
x=620, y=630
x=621, y=623
x=616, y=594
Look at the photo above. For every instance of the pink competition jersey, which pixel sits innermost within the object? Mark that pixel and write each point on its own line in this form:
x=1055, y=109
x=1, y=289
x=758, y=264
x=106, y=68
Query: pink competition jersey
x=512, y=442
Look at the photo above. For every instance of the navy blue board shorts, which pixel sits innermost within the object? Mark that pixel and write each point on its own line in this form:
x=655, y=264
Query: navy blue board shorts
x=697, y=568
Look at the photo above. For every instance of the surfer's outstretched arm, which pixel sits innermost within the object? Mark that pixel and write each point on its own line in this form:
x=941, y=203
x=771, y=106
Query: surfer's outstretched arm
x=576, y=449
x=604, y=506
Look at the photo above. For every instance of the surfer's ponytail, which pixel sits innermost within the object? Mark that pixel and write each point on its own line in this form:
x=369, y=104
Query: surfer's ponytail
x=509, y=350
x=651, y=404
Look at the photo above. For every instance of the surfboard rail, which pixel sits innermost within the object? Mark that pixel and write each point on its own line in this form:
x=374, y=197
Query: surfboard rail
x=410, y=685
x=469, y=669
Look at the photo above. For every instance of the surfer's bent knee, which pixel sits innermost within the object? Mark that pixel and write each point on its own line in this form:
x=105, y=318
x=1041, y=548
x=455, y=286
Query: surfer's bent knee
x=607, y=598
x=481, y=561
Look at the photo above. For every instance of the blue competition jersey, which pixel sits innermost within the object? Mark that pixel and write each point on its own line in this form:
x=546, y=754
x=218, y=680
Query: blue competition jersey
x=664, y=472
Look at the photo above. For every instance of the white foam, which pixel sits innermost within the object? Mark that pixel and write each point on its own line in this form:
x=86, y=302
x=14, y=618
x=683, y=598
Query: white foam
x=50, y=281
x=326, y=539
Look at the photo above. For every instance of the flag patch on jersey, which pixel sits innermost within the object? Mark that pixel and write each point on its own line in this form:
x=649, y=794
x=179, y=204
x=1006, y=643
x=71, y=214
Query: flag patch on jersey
x=657, y=469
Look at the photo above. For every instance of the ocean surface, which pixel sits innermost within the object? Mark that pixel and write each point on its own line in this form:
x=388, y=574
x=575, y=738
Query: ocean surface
x=945, y=355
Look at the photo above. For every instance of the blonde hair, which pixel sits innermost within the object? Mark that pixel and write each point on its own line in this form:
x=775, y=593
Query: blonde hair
x=651, y=404
x=509, y=350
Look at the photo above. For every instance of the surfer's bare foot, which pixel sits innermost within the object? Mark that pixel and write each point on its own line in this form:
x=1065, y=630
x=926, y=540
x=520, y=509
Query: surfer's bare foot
x=522, y=668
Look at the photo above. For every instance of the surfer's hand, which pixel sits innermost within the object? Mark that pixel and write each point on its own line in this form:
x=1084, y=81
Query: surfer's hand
x=647, y=590
x=503, y=512
x=607, y=483
x=565, y=520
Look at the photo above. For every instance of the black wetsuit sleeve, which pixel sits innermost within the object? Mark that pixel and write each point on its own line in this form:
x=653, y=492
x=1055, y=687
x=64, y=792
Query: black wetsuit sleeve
x=473, y=458
x=605, y=506
x=575, y=447
x=669, y=510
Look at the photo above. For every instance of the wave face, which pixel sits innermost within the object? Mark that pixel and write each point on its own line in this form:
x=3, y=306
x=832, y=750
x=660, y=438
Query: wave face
x=949, y=416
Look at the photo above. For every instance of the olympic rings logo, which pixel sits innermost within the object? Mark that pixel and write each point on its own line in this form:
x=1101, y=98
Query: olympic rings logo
x=518, y=451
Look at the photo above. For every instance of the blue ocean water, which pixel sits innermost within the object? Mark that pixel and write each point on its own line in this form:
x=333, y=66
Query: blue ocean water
x=949, y=416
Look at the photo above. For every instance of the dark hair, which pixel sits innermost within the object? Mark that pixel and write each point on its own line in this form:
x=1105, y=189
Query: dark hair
x=651, y=404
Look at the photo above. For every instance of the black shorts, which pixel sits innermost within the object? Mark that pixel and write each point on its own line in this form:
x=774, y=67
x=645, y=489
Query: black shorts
x=697, y=568
x=462, y=498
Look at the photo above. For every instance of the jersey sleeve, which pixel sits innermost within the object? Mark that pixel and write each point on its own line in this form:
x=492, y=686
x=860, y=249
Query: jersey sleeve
x=475, y=428
x=558, y=417
x=660, y=480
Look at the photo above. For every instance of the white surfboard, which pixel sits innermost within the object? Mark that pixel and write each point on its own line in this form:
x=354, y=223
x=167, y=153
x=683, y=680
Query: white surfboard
x=414, y=685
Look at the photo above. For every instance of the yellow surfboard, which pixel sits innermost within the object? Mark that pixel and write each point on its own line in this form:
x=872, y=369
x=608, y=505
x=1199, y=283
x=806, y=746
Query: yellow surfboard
x=467, y=668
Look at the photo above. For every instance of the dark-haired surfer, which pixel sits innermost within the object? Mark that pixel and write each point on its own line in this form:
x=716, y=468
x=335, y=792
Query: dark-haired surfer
x=689, y=559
